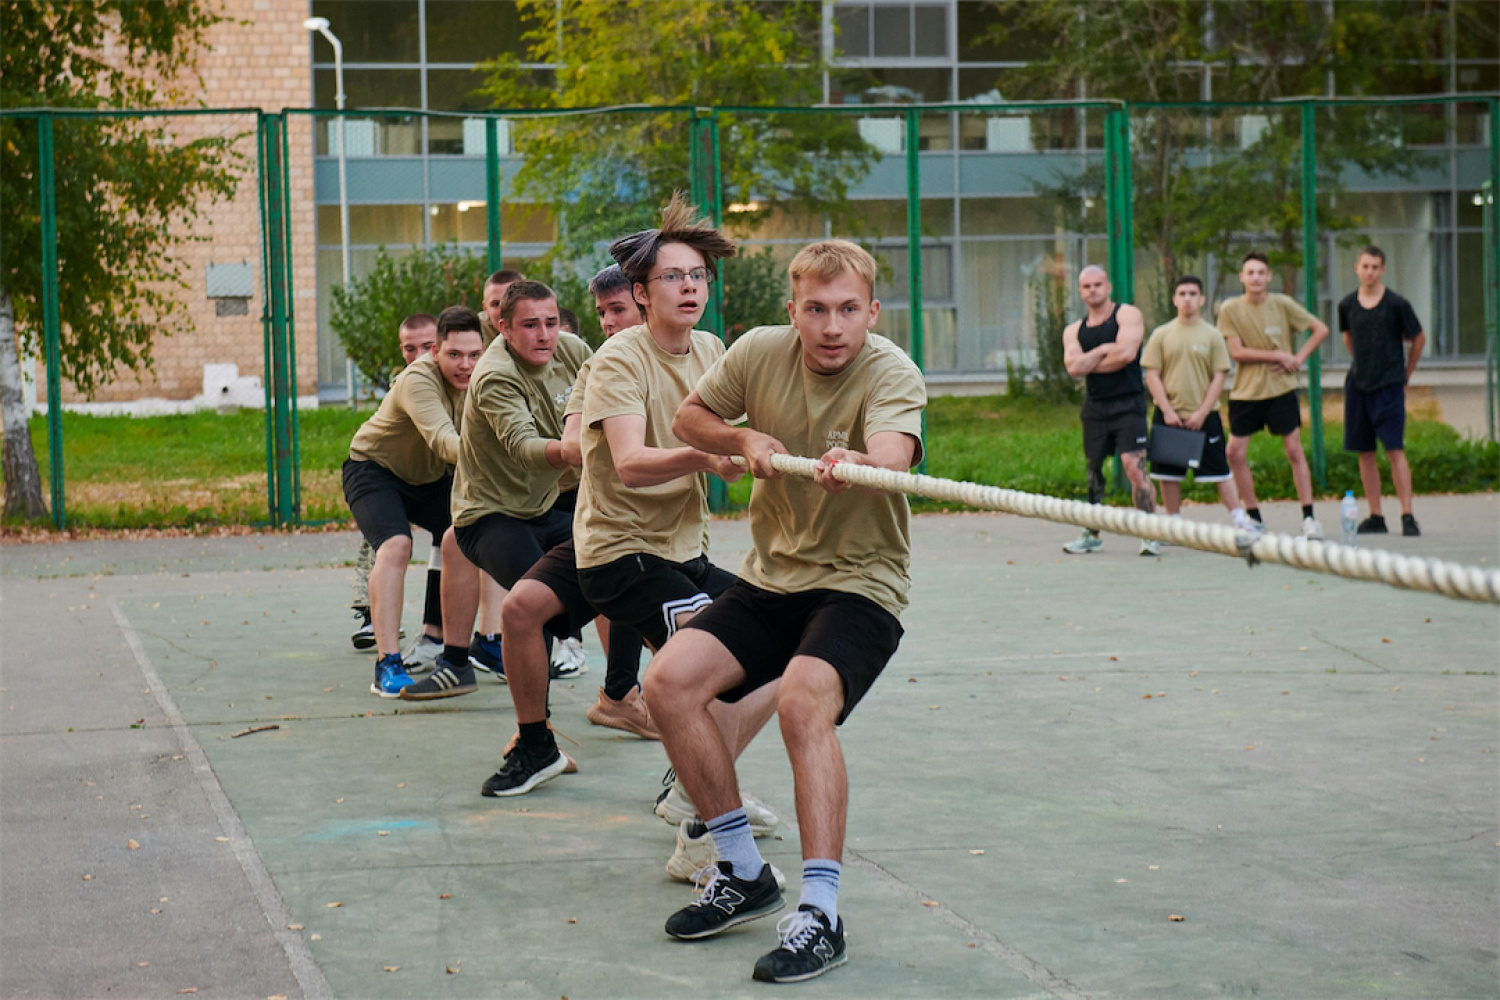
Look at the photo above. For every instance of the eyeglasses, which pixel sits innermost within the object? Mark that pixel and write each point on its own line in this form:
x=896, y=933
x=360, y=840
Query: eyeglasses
x=673, y=277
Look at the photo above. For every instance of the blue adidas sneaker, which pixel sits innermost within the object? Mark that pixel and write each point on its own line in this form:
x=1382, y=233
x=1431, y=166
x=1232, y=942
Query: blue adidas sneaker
x=390, y=677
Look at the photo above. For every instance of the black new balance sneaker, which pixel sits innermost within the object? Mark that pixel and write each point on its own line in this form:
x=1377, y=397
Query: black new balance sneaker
x=725, y=902
x=809, y=947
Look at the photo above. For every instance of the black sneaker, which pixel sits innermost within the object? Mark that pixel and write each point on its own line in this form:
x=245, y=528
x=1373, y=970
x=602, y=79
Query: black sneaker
x=809, y=947
x=523, y=770
x=364, y=635
x=1409, y=526
x=1372, y=525
x=445, y=681
x=724, y=902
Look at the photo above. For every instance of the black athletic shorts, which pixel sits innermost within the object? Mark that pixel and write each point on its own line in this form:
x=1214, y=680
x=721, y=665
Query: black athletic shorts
x=1213, y=465
x=763, y=631
x=1113, y=427
x=558, y=570
x=384, y=505
x=1281, y=415
x=649, y=592
x=506, y=547
x=1376, y=415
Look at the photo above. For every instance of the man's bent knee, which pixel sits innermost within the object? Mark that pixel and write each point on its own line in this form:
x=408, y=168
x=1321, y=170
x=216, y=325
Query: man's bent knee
x=395, y=547
x=529, y=605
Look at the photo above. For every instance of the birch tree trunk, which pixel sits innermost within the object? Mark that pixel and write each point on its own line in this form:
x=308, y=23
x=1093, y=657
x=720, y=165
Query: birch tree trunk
x=23, y=480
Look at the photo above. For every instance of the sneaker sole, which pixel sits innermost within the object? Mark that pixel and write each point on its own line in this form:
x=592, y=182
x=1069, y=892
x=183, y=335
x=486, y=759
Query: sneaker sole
x=734, y=921
x=363, y=642
x=598, y=718
x=768, y=978
x=1081, y=552
x=484, y=668
x=375, y=689
x=453, y=692
x=547, y=773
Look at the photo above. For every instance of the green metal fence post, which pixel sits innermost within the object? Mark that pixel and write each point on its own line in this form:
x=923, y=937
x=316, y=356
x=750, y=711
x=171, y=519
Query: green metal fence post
x=1492, y=299
x=282, y=381
x=492, y=190
x=291, y=322
x=1310, y=288
x=703, y=191
x=51, y=320
x=1491, y=308
x=262, y=140
x=1124, y=283
x=1114, y=219
x=914, y=254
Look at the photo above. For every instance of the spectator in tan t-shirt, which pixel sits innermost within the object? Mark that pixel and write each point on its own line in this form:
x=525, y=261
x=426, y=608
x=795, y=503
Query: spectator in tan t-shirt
x=1260, y=327
x=817, y=602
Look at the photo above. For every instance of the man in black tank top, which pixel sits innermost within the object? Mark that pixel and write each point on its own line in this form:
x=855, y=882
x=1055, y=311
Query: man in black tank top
x=1104, y=347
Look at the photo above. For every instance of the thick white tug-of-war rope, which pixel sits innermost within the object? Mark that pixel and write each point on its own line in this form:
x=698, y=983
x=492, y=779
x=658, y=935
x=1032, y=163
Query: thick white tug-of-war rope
x=1468, y=583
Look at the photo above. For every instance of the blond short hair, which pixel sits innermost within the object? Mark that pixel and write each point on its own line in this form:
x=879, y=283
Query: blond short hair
x=827, y=259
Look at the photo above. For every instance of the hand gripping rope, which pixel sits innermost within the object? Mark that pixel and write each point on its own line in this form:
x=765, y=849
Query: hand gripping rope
x=1468, y=583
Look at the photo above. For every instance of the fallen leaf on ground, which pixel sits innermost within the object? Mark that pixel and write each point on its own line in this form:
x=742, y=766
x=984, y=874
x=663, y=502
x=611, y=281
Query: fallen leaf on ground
x=382, y=833
x=929, y=902
x=392, y=968
x=132, y=845
x=1175, y=918
x=294, y=927
x=452, y=970
x=976, y=852
x=445, y=895
x=333, y=906
x=221, y=840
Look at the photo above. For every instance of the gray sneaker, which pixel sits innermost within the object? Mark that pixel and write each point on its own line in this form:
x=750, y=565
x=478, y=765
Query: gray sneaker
x=1150, y=547
x=1085, y=543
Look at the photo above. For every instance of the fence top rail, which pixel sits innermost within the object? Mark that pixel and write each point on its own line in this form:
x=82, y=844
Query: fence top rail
x=1102, y=104
x=125, y=112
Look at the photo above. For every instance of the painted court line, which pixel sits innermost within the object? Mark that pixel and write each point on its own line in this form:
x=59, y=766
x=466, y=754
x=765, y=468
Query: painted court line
x=309, y=976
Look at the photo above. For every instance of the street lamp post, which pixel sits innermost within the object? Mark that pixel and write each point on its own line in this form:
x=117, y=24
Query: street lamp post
x=320, y=25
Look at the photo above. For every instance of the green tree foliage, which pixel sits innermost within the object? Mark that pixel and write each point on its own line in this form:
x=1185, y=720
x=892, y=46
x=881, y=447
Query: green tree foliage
x=367, y=314
x=125, y=190
x=1206, y=183
x=608, y=174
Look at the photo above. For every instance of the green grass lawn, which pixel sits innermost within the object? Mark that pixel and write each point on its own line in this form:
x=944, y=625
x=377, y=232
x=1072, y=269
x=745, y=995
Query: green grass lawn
x=210, y=468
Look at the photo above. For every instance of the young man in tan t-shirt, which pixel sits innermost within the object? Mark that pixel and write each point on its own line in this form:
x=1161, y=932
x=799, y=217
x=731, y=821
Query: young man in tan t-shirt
x=1259, y=327
x=1185, y=363
x=399, y=473
x=817, y=603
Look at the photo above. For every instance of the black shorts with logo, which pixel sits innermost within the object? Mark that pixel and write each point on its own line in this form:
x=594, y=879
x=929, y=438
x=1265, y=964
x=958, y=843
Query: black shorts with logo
x=1213, y=466
x=763, y=631
x=1114, y=426
x=648, y=592
x=1281, y=415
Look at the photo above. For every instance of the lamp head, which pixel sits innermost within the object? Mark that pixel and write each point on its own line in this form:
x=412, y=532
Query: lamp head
x=316, y=24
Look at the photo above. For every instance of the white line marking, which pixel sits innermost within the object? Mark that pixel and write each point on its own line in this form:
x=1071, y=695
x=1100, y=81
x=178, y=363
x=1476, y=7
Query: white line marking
x=304, y=967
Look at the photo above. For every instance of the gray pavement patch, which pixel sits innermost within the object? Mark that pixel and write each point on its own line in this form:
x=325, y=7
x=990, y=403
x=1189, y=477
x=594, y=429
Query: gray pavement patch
x=309, y=976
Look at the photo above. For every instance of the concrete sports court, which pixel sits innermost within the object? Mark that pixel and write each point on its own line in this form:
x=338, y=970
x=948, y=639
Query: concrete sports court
x=1067, y=754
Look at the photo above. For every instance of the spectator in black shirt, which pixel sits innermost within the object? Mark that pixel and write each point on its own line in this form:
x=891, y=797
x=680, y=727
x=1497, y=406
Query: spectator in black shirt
x=1377, y=325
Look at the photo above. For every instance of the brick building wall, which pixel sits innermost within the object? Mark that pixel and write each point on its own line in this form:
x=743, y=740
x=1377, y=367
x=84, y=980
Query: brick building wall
x=259, y=57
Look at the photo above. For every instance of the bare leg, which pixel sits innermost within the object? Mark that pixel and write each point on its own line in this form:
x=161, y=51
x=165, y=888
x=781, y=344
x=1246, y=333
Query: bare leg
x=1142, y=492
x=739, y=721
x=811, y=697
x=685, y=677
x=460, y=592
x=1239, y=467
x=527, y=609
x=1171, y=496
x=1301, y=474
x=1401, y=476
x=1369, y=478
x=387, y=584
x=491, y=597
x=1228, y=495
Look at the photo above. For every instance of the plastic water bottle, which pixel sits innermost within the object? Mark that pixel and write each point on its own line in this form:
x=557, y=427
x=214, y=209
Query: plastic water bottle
x=1349, y=519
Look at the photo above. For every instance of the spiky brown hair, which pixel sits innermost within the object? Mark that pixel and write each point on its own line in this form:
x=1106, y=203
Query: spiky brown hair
x=680, y=223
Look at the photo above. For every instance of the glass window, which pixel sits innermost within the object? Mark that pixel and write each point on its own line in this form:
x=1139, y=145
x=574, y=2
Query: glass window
x=904, y=86
x=978, y=23
x=465, y=222
x=894, y=285
x=373, y=225
x=931, y=35
x=1469, y=274
x=369, y=88
x=370, y=30
x=892, y=31
x=852, y=30
x=464, y=31
x=1006, y=216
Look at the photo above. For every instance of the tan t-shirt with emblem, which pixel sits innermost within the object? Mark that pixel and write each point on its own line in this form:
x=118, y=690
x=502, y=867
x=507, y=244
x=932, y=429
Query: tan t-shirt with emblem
x=632, y=376
x=415, y=432
x=1268, y=326
x=805, y=538
x=1187, y=355
x=513, y=410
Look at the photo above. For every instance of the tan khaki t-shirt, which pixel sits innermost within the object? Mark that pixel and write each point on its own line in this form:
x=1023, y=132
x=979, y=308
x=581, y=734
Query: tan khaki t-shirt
x=1268, y=326
x=513, y=410
x=805, y=538
x=632, y=376
x=1187, y=355
x=415, y=432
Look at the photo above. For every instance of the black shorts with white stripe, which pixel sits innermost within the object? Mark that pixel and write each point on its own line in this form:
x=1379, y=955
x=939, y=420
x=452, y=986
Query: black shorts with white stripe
x=651, y=593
